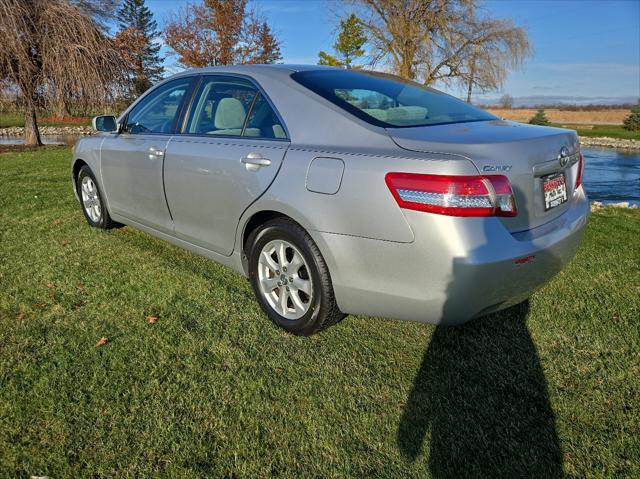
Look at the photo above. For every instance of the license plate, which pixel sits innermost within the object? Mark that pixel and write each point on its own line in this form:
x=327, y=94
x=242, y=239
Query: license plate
x=555, y=190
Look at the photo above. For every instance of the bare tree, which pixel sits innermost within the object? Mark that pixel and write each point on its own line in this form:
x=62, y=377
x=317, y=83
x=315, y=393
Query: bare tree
x=221, y=32
x=506, y=101
x=441, y=40
x=497, y=46
x=52, y=49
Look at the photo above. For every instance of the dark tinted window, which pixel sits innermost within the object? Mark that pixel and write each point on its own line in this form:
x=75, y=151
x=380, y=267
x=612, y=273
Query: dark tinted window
x=388, y=101
x=157, y=111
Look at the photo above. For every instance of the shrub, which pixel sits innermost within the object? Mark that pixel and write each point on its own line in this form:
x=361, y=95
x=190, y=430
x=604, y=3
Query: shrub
x=539, y=118
x=632, y=122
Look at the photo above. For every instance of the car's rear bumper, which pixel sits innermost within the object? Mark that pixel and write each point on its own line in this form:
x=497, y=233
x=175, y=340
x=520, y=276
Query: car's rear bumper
x=455, y=270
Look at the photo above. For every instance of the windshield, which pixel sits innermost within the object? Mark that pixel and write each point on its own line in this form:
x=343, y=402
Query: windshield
x=388, y=101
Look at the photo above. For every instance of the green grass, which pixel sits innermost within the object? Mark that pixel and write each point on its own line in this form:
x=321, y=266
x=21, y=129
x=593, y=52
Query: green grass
x=612, y=131
x=213, y=389
x=10, y=119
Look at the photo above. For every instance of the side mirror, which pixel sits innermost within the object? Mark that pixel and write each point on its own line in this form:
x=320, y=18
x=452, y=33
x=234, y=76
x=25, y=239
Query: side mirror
x=104, y=123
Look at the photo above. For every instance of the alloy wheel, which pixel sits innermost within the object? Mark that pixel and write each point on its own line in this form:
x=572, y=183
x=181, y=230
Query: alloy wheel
x=284, y=279
x=90, y=199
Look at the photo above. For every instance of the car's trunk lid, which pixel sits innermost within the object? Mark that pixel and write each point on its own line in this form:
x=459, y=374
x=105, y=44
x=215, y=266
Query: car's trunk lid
x=523, y=153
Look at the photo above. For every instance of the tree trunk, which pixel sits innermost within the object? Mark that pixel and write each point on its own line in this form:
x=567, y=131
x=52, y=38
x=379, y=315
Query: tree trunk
x=31, y=133
x=472, y=75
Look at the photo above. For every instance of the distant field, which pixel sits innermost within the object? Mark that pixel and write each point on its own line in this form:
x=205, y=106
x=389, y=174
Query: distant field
x=600, y=117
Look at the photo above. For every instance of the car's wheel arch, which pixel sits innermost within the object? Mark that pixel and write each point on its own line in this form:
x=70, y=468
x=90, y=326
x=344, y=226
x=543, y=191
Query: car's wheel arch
x=77, y=164
x=254, y=218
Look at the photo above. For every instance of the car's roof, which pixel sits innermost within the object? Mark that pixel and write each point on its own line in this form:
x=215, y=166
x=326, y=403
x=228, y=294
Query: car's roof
x=257, y=68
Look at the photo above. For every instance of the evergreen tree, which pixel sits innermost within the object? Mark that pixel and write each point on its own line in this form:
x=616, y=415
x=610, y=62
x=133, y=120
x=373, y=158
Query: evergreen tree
x=539, y=118
x=632, y=122
x=349, y=45
x=135, y=40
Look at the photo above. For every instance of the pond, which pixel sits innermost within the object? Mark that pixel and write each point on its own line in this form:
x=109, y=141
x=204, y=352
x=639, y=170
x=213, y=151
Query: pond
x=610, y=175
x=46, y=139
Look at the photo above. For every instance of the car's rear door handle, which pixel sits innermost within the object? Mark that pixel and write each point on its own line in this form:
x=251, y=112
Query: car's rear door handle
x=154, y=153
x=253, y=161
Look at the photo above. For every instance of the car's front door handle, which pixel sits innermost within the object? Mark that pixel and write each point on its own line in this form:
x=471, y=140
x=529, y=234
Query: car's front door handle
x=154, y=153
x=253, y=161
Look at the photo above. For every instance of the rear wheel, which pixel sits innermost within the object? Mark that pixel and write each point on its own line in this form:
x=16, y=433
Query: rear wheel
x=91, y=200
x=290, y=278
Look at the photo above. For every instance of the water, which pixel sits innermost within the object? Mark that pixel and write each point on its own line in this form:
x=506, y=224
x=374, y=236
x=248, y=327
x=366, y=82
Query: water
x=612, y=175
x=46, y=139
x=609, y=175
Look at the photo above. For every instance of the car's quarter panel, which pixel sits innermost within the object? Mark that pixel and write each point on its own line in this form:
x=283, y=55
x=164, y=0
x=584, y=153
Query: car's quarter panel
x=131, y=170
x=208, y=186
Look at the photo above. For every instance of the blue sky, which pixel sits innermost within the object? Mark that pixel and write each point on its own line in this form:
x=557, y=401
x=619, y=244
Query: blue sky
x=587, y=49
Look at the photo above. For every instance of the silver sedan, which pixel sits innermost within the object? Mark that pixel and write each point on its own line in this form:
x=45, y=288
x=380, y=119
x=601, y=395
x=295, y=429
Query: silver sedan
x=340, y=192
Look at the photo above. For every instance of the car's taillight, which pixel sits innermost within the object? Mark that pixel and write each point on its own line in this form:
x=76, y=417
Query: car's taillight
x=580, y=170
x=453, y=195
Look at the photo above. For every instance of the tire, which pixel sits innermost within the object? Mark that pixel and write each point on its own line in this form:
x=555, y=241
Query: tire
x=299, y=313
x=91, y=200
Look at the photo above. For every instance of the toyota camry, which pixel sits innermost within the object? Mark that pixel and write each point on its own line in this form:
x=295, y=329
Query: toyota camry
x=339, y=191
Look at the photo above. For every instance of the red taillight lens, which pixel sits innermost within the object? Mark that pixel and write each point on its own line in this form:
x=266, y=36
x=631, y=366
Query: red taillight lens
x=453, y=195
x=580, y=170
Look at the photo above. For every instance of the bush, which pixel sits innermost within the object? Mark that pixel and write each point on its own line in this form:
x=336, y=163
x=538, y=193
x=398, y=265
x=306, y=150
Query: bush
x=539, y=118
x=632, y=122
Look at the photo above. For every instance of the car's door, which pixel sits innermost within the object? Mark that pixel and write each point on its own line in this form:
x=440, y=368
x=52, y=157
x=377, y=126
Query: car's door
x=229, y=152
x=132, y=161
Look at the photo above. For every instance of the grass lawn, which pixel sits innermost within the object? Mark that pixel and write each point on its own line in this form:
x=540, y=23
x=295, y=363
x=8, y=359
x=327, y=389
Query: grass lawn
x=9, y=119
x=546, y=389
x=612, y=131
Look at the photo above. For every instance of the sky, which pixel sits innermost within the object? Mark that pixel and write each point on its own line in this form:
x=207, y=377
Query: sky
x=584, y=50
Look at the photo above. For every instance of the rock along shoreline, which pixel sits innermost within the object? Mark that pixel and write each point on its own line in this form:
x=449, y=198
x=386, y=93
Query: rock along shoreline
x=50, y=130
x=604, y=142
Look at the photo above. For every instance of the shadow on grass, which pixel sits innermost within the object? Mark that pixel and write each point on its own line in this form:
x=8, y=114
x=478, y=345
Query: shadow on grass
x=481, y=397
x=480, y=394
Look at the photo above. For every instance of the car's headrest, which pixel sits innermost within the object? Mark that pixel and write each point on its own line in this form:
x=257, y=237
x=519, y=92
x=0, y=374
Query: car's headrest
x=229, y=114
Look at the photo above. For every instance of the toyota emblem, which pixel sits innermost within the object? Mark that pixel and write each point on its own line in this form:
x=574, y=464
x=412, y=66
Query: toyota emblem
x=563, y=157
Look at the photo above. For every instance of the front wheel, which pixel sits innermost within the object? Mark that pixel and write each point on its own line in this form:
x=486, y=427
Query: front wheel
x=290, y=278
x=91, y=200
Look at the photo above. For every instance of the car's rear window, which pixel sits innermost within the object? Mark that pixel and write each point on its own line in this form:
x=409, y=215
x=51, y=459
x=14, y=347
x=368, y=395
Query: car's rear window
x=388, y=101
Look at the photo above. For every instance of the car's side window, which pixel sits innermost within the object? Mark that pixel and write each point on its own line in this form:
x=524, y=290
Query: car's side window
x=232, y=106
x=263, y=121
x=157, y=111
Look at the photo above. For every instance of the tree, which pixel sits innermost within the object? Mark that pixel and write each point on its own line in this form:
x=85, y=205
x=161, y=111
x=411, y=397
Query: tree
x=442, y=40
x=51, y=49
x=101, y=11
x=135, y=41
x=506, y=101
x=221, y=32
x=539, y=118
x=348, y=46
x=497, y=46
x=632, y=122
